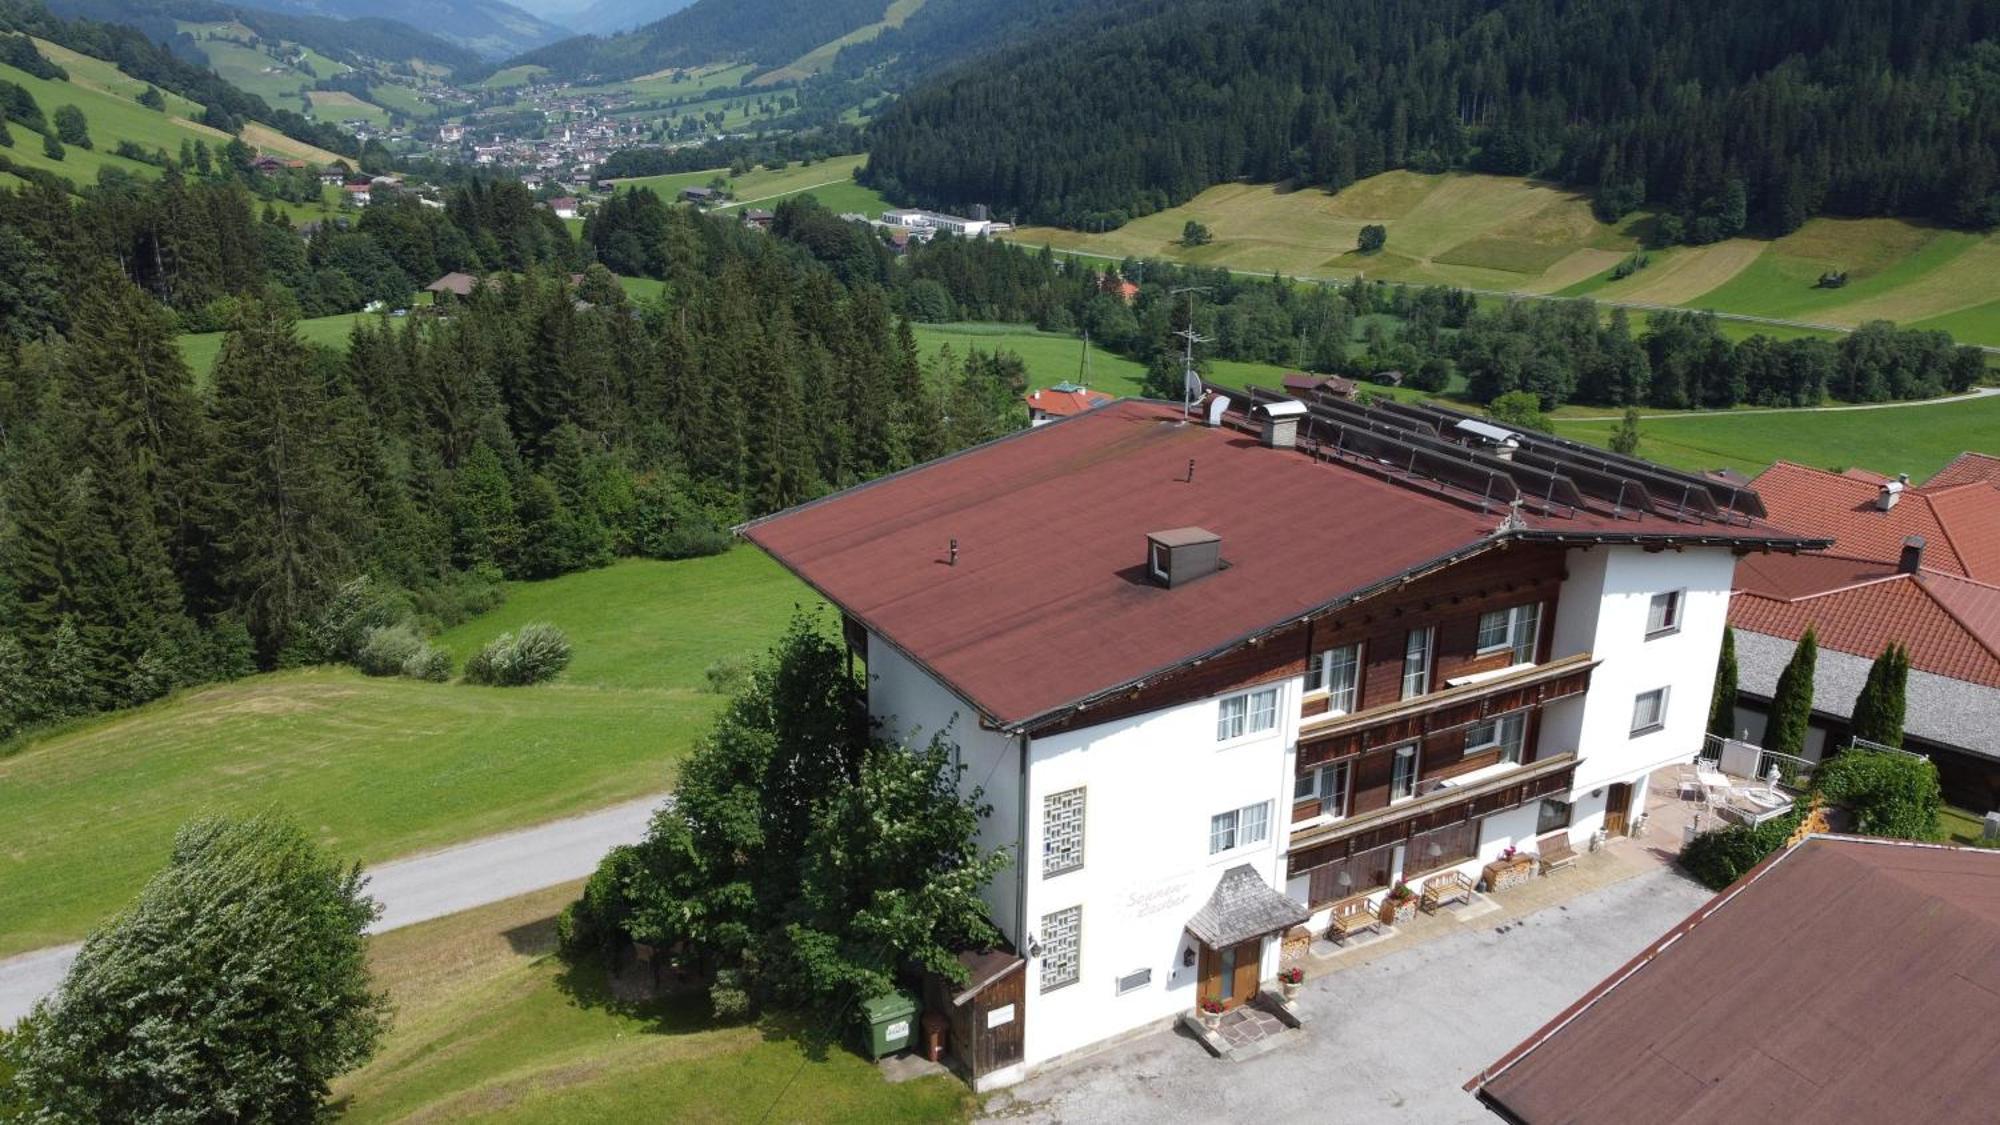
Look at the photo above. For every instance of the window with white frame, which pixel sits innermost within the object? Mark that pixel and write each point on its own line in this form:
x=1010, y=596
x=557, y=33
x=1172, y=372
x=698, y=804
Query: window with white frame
x=1327, y=785
x=1062, y=948
x=1337, y=672
x=1237, y=828
x=1062, y=832
x=1663, y=614
x=1403, y=773
x=1247, y=713
x=1504, y=733
x=1417, y=663
x=1512, y=630
x=1649, y=711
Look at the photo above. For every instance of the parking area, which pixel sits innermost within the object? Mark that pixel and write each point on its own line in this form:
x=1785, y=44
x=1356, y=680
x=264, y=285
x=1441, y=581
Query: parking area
x=1393, y=1030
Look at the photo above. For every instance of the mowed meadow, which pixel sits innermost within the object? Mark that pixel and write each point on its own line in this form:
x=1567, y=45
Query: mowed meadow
x=376, y=768
x=1523, y=236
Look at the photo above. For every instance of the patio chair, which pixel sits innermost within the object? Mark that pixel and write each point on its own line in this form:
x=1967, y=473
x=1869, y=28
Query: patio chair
x=1452, y=886
x=1690, y=787
x=1555, y=850
x=1350, y=917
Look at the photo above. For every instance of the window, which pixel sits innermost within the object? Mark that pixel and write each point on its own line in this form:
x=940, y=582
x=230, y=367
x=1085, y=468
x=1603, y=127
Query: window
x=1326, y=785
x=1649, y=711
x=1403, y=774
x=1663, y=616
x=1511, y=629
x=1133, y=981
x=1062, y=948
x=1236, y=828
x=1417, y=663
x=1062, y=832
x=1356, y=875
x=1504, y=734
x=1442, y=847
x=1248, y=713
x=1159, y=560
x=1552, y=815
x=1337, y=672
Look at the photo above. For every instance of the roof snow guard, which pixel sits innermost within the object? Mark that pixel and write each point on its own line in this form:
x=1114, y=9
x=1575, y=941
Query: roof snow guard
x=1243, y=907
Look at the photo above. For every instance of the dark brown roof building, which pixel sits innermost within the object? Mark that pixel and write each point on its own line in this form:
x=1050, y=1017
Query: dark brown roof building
x=1844, y=980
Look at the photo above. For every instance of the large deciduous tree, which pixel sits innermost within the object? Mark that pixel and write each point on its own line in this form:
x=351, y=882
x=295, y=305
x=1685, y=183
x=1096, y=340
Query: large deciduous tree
x=234, y=989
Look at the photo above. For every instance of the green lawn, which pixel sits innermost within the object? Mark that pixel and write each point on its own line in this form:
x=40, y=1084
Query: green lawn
x=1051, y=357
x=111, y=118
x=1917, y=440
x=763, y=185
x=513, y=76
x=1962, y=827
x=489, y=1025
x=377, y=768
x=201, y=349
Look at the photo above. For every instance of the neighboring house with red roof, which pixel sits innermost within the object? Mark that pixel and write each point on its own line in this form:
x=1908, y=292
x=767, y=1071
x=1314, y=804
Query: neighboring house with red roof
x=1118, y=287
x=1061, y=401
x=1220, y=677
x=1915, y=564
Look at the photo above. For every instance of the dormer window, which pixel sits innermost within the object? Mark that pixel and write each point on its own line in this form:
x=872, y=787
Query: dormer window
x=1183, y=554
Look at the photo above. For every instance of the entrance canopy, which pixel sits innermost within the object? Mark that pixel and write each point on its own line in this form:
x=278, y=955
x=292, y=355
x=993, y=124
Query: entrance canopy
x=1244, y=907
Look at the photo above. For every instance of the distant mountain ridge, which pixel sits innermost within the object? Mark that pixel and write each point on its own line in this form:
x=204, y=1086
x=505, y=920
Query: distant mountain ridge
x=349, y=41
x=490, y=28
x=763, y=32
x=609, y=17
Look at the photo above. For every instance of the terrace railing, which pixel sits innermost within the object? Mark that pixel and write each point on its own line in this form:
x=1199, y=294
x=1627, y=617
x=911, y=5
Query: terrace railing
x=1738, y=758
x=1879, y=748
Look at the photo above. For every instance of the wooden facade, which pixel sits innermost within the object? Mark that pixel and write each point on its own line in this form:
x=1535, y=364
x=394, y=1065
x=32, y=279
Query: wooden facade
x=988, y=1016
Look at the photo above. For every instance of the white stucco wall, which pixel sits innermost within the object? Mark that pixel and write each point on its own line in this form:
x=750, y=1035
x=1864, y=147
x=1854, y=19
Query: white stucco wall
x=1603, y=610
x=1152, y=784
x=913, y=706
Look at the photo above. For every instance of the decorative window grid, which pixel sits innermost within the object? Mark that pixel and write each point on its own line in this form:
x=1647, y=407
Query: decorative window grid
x=1062, y=948
x=1062, y=832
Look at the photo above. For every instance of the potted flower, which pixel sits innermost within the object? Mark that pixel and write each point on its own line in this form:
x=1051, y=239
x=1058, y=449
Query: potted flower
x=1508, y=855
x=1289, y=979
x=1400, y=905
x=1211, y=1012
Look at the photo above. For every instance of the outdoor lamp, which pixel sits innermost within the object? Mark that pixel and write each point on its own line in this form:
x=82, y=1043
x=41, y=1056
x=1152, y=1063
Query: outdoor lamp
x=1034, y=946
x=1345, y=880
x=1187, y=958
x=1432, y=851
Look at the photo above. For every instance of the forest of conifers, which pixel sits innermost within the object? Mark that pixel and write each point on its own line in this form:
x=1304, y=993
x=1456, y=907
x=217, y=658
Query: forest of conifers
x=162, y=527
x=1726, y=116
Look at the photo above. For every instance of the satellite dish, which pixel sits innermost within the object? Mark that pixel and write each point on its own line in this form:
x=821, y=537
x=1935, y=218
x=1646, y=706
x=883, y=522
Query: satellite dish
x=1217, y=407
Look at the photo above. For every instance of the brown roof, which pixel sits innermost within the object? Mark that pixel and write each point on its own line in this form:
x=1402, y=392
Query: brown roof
x=1844, y=980
x=1950, y=624
x=1049, y=604
x=1960, y=523
x=1966, y=468
x=460, y=283
x=1060, y=402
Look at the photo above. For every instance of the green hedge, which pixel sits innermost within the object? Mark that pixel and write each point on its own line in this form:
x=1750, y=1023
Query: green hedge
x=1721, y=857
x=1890, y=794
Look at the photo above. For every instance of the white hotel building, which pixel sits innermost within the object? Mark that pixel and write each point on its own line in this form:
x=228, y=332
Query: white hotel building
x=1215, y=679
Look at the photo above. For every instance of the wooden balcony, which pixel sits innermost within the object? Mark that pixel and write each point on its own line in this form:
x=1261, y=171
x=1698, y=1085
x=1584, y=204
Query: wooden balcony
x=1447, y=804
x=1323, y=738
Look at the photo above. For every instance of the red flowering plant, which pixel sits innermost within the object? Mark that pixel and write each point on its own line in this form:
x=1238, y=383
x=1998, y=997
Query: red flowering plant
x=1292, y=975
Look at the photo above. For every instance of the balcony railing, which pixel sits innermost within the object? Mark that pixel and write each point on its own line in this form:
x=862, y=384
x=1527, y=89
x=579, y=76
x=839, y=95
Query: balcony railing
x=1737, y=758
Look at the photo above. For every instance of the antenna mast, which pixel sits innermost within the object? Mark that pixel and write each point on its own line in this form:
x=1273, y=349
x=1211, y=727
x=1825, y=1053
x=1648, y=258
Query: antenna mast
x=1190, y=383
x=1083, y=365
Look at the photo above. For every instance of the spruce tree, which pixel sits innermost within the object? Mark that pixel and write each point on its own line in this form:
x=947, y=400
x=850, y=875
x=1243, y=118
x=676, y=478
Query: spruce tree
x=1722, y=704
x=1792, y=700
x=1878, y=710
x=276, y=506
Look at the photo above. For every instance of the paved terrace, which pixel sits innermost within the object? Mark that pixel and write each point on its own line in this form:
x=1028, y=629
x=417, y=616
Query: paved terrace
x=1395, y=1027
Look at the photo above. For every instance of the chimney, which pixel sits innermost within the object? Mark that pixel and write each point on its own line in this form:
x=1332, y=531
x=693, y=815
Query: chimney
x=1281, y=423
x=1891, y=490
x=1182, y=554
x=1913, y=555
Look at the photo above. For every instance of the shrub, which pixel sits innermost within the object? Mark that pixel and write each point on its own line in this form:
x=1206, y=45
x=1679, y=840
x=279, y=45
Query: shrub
x=535, y=654
x=728, y=675
x=337, y=632
x=728, y=998
x=1373, y=237
x=1889, y=794
x=429, y=662
x=597, y=922
x=386, y=648
x=1719, y=858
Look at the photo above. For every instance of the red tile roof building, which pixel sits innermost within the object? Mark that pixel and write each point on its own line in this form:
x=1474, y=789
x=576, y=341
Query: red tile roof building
x=1844, y=979
x=1061, y=401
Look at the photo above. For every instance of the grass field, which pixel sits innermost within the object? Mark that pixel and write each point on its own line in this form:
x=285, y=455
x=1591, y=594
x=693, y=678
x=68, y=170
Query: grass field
x=201, y=349
x=830, y=181
x=339, y=105
x=112, y=116
x=512, y=76
x=490, y=1026
x=1917, y=440
x=376, y=768
x=1513, y=235
x=1051, y=357
x=822, y=56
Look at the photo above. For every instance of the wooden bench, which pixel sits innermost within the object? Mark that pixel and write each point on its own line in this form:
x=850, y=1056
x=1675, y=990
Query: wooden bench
x=1350, y=917
x=1452, y=886
x=1555, y=851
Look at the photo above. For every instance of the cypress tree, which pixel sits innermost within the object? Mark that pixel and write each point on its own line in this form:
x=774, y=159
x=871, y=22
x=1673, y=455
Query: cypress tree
x=1722, y=704
x=1878, y=710
x=1792, y=700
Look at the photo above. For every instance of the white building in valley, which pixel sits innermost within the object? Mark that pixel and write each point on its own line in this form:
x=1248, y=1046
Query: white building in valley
x=1216, y=680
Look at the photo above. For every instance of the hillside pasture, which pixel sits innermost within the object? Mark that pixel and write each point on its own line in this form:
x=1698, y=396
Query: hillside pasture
x=376, y=768
x=111, y=118
x=830, y=180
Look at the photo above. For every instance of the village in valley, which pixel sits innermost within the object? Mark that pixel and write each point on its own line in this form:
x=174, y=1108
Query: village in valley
x=999, y=561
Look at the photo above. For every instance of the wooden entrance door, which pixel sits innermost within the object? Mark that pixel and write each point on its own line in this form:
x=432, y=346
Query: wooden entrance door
x=1231, y=974
x=1617, y=809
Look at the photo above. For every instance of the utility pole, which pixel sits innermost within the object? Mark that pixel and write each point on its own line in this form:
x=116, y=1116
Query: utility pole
x=1190, y=383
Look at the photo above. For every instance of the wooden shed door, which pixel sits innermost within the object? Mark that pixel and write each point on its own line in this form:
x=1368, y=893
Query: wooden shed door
x=1617, y=807
x=999, y=1024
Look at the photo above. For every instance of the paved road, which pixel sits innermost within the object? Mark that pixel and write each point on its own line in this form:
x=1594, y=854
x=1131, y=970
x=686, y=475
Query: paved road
x=1516, y=294
x=1391, y=1041
x=420, y=887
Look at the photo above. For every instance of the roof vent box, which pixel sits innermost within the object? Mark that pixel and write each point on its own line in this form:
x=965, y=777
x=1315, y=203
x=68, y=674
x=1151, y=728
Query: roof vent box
x=1183, y=554
x=1281, y=423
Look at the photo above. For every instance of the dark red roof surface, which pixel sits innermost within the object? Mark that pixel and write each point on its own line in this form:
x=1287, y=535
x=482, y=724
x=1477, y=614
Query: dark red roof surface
x=1846, y=980
x=1049, y=603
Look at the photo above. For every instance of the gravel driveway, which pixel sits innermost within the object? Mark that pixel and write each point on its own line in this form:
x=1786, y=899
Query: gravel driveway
x=1387, y=1041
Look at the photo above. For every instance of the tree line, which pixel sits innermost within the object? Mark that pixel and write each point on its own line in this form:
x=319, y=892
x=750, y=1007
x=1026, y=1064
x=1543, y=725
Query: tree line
x=1725, y=117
